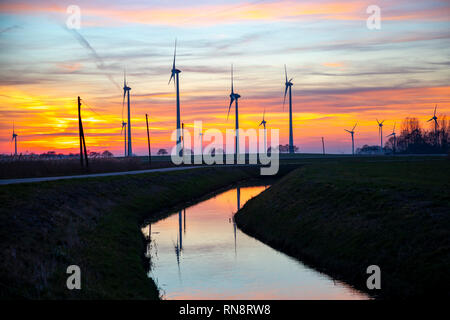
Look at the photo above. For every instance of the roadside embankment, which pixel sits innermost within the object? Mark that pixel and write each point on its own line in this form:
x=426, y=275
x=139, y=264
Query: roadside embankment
x=342, y=216
x=93, y=223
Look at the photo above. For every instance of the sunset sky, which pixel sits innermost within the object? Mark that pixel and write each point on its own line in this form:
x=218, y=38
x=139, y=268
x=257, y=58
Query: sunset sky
x=343, y=72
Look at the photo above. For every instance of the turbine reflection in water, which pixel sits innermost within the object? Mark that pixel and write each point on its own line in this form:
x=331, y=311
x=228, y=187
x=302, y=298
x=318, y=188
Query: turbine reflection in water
x=207, y=265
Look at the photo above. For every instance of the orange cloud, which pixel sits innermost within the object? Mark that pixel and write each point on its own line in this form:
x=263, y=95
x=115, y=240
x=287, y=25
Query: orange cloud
x=228, y=13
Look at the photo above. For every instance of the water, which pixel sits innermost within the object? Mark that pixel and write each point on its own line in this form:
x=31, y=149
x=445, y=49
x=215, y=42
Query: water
x=199, y=253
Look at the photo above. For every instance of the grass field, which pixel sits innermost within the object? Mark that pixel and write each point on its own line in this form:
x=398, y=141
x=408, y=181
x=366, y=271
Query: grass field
x=93, y=223
x=340, y=216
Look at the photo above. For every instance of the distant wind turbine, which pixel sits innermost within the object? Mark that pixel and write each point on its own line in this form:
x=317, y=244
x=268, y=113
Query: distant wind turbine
x=352, y=132
x=200, y=135
x=126, y=92
x=175, y=75
x=14, y=137
x=393, y=134
x=288, y=86
x=263, y=123
x=435, y=123
x=124, y=125
x=380, y=132
x=234, y=98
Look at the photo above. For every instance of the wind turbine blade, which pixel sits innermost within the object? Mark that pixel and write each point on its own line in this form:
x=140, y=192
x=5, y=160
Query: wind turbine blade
x=285, y=72
x=232, y=85
x=354, y=126
x=347, y=131
x=174, y=53
x=123, y=101
x=378, y=122
x=229, y=108
x=430, y=120
x=170, y=79
x=285, y=92
x=394, y=127
x=434, y=114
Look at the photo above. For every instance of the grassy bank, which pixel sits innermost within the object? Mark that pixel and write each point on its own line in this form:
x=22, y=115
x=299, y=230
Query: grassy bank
x=92, y=223
x=342, y=216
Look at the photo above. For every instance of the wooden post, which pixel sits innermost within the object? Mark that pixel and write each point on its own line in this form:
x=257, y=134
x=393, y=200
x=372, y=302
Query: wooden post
x=148, y=141
x=82, y=140
x=79, y=132
x=323, y=147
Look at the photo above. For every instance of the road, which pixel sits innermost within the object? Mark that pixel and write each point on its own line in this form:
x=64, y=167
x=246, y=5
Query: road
x=81, y=176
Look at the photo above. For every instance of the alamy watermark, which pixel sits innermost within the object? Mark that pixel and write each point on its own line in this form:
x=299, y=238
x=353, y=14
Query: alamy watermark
x=373, y=22
x=374, y=280
x=252, y=146
x=74, y=19
x=74, y=280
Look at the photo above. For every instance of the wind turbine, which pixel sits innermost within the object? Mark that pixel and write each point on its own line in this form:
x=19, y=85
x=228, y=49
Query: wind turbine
x=393, y=134
x=352, y=132
x=288, y=86
x=126, y=92
x=234, y=98
x=435, y=123
x=124, y=125
x=175, y=75
x=200, y=135
x=14, y=137
x=380, y=132
x=263, y=123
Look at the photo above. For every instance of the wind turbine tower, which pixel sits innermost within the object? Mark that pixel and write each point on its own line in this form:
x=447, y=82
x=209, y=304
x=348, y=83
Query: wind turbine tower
x=434, y=118
x=393, y=134
x=234, y=97
x=263, y=123
x=288, y=87
x=380, y=132
x=352, y=132
x=126, y=92
x=14, y=137
x=175, y=74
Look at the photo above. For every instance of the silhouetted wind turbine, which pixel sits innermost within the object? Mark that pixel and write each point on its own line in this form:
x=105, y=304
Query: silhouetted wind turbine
x=393, y=134
x=175, y=74
x=435, y=122
x=234, y=98
x=14, y=137
x=380, y=132
x=352, y=132
x=263, y=123
x=124, y=125
x=288, y=86
x=126, y=92
x=200, y=135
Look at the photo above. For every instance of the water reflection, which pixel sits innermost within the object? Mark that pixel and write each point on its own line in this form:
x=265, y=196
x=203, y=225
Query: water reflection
x=207, y=264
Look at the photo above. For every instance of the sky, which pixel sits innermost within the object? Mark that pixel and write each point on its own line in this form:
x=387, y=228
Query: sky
x=343, y=72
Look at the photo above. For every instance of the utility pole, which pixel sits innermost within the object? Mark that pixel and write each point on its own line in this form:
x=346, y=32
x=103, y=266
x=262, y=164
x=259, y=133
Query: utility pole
x=148, y=141
x=323, y=147
x=82, y=140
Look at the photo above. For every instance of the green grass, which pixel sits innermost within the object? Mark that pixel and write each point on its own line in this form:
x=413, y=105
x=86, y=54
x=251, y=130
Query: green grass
x=93, y=223
x=341, y=216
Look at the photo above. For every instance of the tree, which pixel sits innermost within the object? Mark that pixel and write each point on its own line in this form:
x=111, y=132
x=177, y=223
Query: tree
x=414, y=139
x=161, y=152
x=106, y=154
